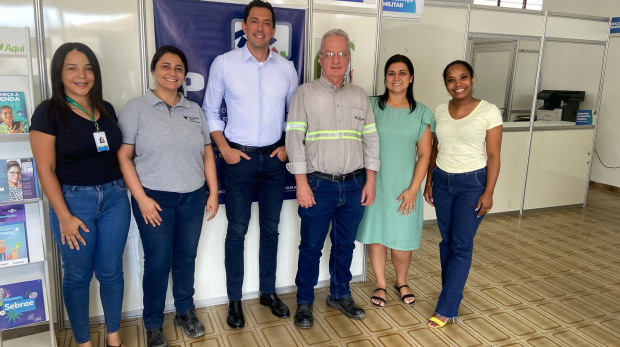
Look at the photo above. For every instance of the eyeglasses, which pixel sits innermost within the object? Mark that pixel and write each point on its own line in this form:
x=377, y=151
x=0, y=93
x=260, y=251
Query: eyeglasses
x=14, y=173
x=330, y=55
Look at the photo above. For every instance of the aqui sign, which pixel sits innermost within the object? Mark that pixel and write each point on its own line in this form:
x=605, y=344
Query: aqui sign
x=12, y=41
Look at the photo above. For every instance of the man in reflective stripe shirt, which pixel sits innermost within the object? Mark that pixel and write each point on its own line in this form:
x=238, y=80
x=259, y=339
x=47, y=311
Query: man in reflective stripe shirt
x=333, y=150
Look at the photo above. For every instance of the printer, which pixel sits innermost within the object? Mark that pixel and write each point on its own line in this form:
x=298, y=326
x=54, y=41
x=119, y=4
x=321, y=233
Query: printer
x=559, y=105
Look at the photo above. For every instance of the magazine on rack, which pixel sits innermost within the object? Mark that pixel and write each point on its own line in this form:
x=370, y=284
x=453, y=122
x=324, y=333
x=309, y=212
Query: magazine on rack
x=17, y=179
x=22, y=304
x=13, y=116
x=13, y=239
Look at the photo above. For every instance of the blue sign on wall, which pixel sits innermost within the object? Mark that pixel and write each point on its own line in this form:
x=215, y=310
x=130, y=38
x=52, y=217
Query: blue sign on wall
x=584, y=117
x=203, y=30
x=615, y=25
x=405, y=6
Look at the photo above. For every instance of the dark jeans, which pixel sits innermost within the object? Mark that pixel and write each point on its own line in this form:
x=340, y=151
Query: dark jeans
x=338, y=203
x=171, y=245
x=263, y=176
x=105, y=211
x=456, y=197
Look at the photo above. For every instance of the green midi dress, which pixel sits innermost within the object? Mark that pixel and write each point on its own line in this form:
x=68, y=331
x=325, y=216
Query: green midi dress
x=399, y=132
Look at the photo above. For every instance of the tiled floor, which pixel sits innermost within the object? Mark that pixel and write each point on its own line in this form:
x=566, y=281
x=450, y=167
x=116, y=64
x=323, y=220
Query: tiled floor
x=549, y=279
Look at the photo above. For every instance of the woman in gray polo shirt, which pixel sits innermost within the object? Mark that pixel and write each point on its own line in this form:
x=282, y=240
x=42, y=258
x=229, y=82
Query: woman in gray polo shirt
x=173, y=158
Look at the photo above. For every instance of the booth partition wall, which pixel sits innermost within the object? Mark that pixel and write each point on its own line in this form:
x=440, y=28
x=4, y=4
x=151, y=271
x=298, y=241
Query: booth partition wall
x=525, y=62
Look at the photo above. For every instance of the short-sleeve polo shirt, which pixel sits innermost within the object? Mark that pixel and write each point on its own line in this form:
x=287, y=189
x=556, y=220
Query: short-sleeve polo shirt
x=169, y=142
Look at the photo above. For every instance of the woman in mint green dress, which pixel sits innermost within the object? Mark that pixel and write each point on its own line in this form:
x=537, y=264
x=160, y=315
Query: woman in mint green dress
x=394, y=221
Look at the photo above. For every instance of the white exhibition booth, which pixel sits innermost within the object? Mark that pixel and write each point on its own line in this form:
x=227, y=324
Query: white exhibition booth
x=516, y=53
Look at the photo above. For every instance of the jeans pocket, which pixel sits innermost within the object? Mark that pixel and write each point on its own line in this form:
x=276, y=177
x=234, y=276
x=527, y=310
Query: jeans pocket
x=120, y=185
x=359, y=181
x=314, y=183
x=67, y=191
x=481, y=179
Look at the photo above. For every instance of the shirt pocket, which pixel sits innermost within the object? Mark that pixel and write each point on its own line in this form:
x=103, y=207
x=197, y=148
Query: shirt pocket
x=358, y=120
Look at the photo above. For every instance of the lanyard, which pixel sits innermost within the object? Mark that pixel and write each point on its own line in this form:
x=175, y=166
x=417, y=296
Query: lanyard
x=72, y=102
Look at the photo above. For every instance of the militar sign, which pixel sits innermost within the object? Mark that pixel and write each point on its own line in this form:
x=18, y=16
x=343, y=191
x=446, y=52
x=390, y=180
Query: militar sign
x=203, y=30
x=403, y=8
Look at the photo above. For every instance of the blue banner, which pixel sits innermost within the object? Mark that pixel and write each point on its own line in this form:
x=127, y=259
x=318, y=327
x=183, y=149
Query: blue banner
x=21, y=304
x=203, y=30
x=615, y=25
x=584, y=117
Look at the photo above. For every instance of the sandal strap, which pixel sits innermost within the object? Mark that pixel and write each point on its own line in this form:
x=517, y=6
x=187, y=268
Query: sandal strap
x=377, y=298
x=403, y=286
x=383, y=289
x=438, y=321
x=407, y=296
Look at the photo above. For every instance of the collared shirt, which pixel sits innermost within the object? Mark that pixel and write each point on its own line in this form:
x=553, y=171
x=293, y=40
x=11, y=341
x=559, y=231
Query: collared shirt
x=257, y=96
x=331, y=130
x=169, y=142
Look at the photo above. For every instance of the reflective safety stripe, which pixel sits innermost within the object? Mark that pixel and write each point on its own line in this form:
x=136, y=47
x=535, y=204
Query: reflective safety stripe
x=296, y=126
x=334, y=135
x=369, y=128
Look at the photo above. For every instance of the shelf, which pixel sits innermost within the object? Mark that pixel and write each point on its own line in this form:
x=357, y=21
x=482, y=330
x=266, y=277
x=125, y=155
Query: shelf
x=14, y=137
x=24, y=264
x=35, y=340
x=17, y=202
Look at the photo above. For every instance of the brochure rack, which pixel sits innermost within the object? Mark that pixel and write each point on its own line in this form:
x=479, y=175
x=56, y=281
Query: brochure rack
x=16, y=75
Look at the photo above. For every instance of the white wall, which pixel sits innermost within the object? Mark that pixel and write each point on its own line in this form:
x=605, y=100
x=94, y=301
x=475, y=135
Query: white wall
x=607, y=140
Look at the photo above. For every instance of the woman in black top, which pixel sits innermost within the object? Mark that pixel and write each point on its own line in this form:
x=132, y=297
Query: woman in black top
x=89, y=207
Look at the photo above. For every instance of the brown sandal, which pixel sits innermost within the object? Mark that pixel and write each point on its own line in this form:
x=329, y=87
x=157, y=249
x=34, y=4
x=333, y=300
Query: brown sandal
x=402, y=298
x=378, y=306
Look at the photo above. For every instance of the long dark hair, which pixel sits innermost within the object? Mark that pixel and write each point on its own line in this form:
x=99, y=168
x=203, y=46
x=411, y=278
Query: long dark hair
x=399, y=58
x=58, y=89
x=173, y=50
x=458, y=62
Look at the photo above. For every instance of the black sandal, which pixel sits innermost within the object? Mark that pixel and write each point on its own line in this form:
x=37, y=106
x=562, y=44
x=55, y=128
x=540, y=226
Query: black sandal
x=379, y=306
x=402, y=298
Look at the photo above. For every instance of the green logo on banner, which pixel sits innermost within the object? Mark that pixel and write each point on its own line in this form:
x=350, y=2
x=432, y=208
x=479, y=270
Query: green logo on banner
x=14, y=49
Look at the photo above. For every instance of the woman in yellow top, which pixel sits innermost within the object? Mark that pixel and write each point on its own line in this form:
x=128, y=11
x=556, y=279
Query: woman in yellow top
x=461, y=179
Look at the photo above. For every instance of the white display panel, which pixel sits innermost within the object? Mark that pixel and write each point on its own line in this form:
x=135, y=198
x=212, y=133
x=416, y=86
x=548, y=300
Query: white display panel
x=525, y=80
x=607, y=139
x=558, y=168
x=110, y=29
x=573, y=66
x=431, y=44
x=572, y=28
x=506, y=23
x=493, y=69
x=507, y=196
x=362, y=31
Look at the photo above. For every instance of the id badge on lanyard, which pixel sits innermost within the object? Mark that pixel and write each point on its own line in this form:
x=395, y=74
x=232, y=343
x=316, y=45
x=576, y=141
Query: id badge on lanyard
x=101, y=141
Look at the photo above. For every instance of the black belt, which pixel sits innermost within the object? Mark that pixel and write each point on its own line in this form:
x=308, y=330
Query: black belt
x=259, y=150
x=338, y=178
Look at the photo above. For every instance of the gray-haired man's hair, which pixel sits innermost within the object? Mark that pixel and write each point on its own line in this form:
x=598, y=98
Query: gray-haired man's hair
x=336, y=32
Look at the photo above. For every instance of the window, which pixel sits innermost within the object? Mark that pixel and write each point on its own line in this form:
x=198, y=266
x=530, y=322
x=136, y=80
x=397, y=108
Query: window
x=524, y=4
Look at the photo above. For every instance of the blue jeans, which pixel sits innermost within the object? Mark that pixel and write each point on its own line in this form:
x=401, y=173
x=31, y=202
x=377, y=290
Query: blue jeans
x=455, y=197
x=338, y=203
x=264, y=177
x=105, y=211
x=171, y=245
